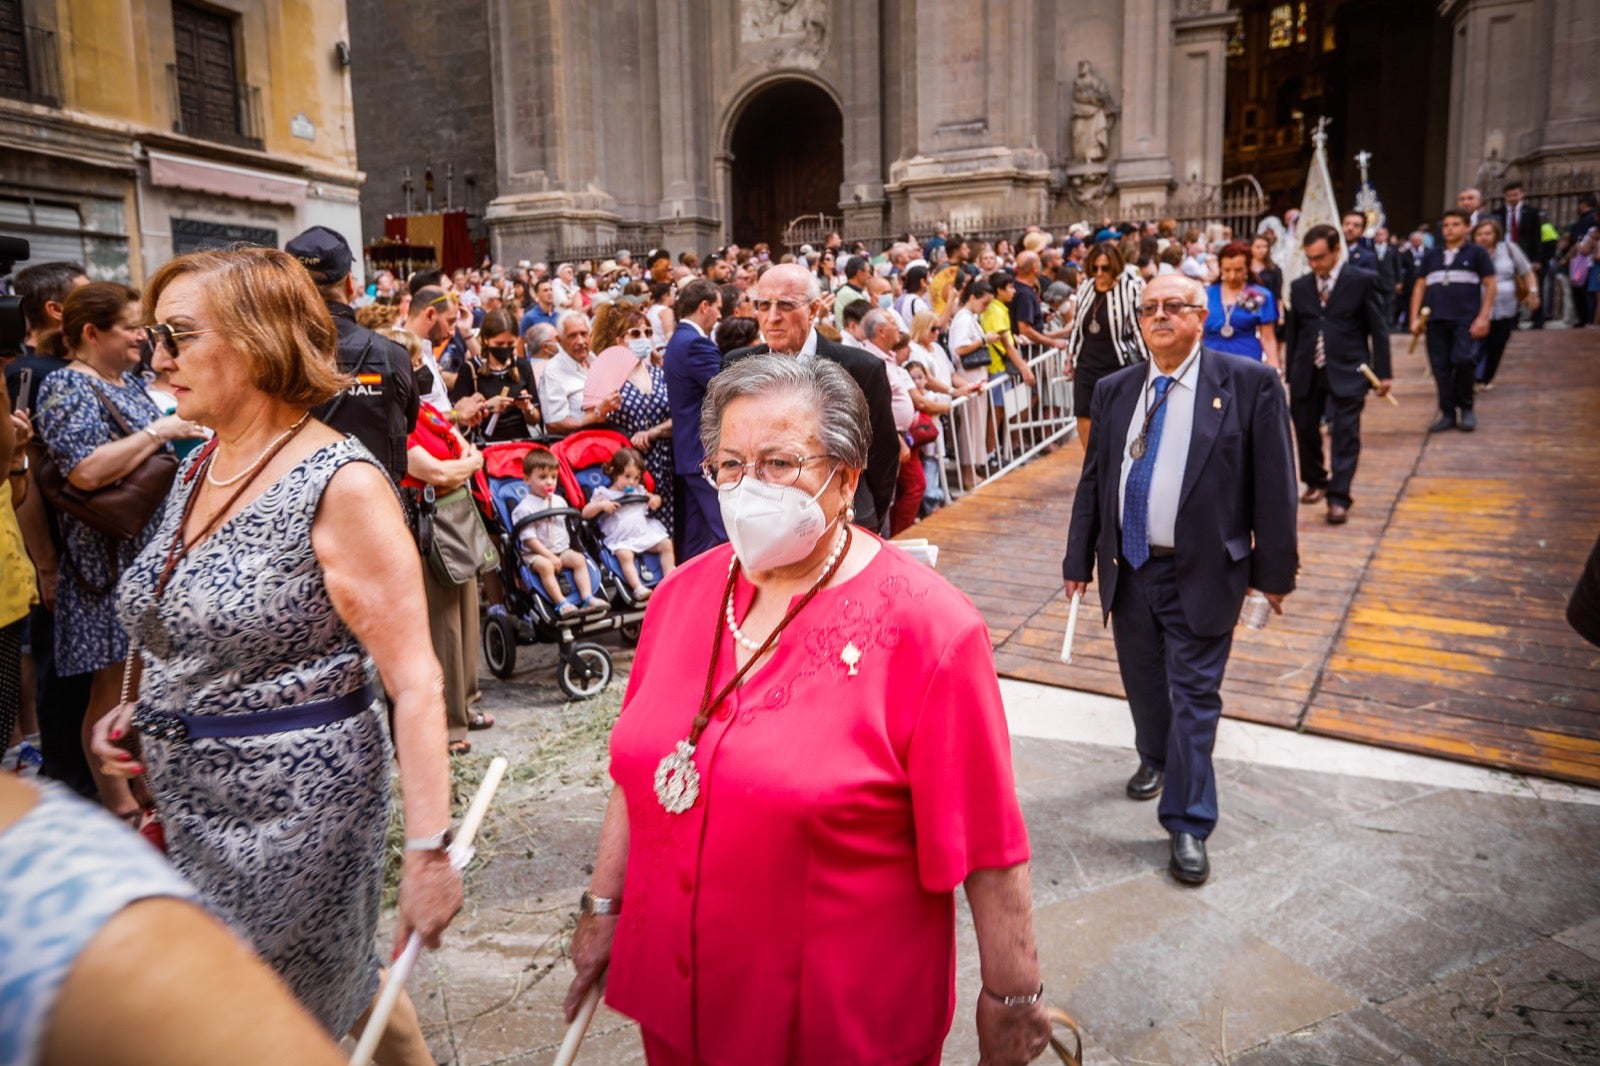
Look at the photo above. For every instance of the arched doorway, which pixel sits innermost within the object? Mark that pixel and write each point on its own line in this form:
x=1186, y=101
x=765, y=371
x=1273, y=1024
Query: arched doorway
x=788, y=160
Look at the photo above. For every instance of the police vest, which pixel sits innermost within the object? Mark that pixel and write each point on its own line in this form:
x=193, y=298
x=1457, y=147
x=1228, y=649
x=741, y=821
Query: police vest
x=379, y=406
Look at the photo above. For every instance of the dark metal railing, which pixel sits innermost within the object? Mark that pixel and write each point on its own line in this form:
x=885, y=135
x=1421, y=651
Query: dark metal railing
x=196, y=111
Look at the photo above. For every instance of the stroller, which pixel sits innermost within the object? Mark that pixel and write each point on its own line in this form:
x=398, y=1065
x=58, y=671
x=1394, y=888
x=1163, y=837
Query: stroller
x=583, y=457
x=529, y=615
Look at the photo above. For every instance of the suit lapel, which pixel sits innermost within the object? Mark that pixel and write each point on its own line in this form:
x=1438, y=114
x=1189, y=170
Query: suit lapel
x=1210, y=387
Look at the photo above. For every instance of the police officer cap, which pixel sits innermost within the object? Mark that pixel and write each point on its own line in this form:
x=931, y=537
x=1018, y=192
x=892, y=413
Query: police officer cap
x=324, y=253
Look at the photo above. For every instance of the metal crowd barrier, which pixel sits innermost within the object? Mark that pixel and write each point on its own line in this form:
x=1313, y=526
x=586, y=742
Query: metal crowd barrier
x=988, y=434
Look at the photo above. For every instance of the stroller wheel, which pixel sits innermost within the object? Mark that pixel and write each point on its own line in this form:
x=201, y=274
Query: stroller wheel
x=630, y=632
x=584, y=672
x=500, y=646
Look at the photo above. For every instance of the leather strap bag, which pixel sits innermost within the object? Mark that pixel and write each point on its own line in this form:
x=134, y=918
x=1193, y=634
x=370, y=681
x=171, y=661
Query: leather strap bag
x=462, y=547
x=122, y=509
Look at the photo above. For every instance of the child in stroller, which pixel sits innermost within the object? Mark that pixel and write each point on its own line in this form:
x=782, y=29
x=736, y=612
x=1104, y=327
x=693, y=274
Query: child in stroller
x=625, y=527
x=545, y=544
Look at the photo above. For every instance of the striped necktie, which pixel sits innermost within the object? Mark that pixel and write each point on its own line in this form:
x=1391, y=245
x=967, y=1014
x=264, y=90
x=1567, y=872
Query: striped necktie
x=1323, y=285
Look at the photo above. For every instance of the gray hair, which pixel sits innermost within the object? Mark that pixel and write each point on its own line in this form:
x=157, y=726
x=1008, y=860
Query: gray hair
x=567, y=316
x=875, y=320
x=841, y=410
x=540, y=334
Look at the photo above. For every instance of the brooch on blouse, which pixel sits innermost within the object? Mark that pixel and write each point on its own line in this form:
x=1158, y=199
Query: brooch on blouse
x=851, y=657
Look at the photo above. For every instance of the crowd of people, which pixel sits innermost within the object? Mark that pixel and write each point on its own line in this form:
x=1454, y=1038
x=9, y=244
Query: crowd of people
x=213, y=599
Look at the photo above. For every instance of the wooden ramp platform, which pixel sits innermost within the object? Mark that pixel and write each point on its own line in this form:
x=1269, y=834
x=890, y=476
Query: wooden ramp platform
x=1433, y=621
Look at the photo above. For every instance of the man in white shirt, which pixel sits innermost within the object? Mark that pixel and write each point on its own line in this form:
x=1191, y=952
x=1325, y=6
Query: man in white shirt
x=1186, y=500
x=432, y=318
x=561, y=387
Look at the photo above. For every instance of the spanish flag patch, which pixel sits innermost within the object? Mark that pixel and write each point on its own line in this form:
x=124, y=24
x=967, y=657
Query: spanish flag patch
x=369, y=379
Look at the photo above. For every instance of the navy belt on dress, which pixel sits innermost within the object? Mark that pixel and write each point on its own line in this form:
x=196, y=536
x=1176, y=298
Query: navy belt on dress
x=169, y=725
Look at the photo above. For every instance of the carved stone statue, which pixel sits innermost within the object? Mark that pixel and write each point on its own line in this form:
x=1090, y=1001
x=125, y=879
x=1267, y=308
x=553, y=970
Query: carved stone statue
x=1089, y=187
x=1094, y=112
x=772, y=20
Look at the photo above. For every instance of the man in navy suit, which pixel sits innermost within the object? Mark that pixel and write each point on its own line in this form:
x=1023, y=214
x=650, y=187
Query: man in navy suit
x=1186, y=501
x=787, y=301
x=1362, y=252
x=1335, y=323
x=690, y=362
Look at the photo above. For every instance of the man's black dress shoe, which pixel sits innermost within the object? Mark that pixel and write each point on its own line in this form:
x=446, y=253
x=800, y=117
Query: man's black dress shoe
x=1189, y=863
x=1145, y=784
x=1446, y=420
x=1469, y=421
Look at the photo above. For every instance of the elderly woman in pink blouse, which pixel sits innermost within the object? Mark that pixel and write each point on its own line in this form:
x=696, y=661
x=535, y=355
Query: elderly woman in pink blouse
x=811, y=756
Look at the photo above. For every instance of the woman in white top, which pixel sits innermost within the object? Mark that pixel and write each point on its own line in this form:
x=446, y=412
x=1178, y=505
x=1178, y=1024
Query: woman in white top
x=1510, y=264
x=969, y=343
x=659, y=314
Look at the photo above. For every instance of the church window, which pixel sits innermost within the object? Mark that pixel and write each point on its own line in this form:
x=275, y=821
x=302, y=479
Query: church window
x=1300, y=24
x=1280, y=26
x=1236, y=39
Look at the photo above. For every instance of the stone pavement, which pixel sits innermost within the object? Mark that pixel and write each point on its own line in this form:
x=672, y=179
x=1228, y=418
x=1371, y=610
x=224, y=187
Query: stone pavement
x=1365, y=906
x=1349, y=918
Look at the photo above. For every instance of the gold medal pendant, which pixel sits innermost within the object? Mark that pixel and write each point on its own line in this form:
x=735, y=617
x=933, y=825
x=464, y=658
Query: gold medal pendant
x=677, y=780
x=1136, y=449
x=1094, y=327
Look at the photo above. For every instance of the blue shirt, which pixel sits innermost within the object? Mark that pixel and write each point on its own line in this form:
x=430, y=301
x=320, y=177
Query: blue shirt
x=533, y=316
x=1245, y=321
x=1454, y=291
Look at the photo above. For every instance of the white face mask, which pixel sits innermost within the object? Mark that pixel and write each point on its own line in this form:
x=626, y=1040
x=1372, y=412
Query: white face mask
x=641, y=348
x=771, y=525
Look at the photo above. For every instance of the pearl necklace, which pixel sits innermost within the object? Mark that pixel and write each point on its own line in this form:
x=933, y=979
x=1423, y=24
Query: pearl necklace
x=733, y=627
x=266, y=453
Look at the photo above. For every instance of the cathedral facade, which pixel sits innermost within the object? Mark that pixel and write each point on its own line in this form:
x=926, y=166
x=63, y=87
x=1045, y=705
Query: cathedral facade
x=689, y=123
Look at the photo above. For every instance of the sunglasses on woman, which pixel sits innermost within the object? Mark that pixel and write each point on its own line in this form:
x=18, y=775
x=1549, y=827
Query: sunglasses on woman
x=164, y=338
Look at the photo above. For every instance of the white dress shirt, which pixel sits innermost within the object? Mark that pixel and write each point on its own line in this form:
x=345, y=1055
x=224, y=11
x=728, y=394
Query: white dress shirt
x=561, y=389
x=1172, y=452
x=900, y=386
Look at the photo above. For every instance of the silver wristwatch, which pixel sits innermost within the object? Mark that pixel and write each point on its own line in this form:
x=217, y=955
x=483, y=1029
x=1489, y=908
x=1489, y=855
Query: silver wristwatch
x=1015, y=1001
x=589, y=903
x=439, y=841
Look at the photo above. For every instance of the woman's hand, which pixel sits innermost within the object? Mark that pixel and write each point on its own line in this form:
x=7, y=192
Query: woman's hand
x=1011, y=1036
x=21, y=428
x=591, y=954
x=655, y=502
x=641, y=440
x=171, y=427
x=115, y=761
x=430, y=895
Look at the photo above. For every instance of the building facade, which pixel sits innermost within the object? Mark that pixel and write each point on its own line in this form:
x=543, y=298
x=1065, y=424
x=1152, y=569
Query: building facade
x=135, y=130
x=688, y=123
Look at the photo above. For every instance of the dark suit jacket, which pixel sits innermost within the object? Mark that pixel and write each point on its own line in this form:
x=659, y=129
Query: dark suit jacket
x=1237, y=507
x=1363, y=254
x=1390, y=268
x=689, y=364
x=1353, y=328
x=1528, y=238
x=876, y=491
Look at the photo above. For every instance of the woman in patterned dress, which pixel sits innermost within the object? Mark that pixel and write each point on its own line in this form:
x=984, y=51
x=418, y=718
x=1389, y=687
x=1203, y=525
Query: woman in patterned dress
x=100, y=336
x=644, y=415
x=279, y=587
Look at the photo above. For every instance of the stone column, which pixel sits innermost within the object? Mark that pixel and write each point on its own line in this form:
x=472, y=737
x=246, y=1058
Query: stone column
x=1565, y=96
x=548, y=128
x=861, y=196
x=1199, y=74
x=1143, y=171
x=687, y=214
x=1494, y=85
